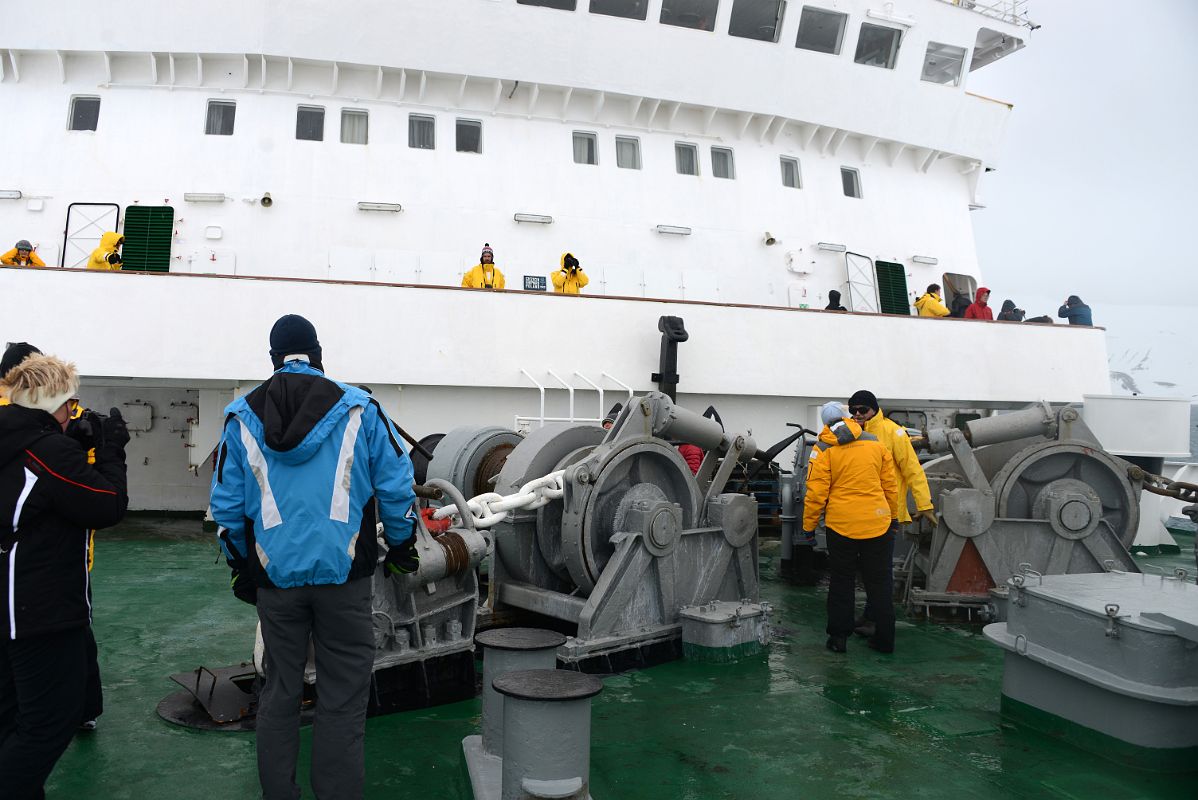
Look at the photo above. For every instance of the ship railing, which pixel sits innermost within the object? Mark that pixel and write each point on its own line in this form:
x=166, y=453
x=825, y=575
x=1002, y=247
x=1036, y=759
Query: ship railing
x=1014, y=12
x=525, y=423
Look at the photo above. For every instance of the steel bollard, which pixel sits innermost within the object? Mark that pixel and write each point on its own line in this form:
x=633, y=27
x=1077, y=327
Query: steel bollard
x=510, y=650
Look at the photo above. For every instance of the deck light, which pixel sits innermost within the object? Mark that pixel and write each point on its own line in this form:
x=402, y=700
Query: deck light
x=680, y=230
x=395, y=207
x=543, y=219
x=925, y=260
x=10, y=194
x=203, y=197
x=832, y=247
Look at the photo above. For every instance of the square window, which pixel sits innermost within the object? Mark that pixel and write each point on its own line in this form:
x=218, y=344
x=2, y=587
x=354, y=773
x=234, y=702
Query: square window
x=878, y=46
x=821, y=31
x=942, y=64
x=470, y=136
x=585, y=148
x=697, y=14
x=422, y=132
x=220, y=118
x=309, y=123
x=85, y=113
x=629, y=9
x=850, y=179
x=756, y=19
x=686, y=158
x=564, y=5
x=790, y=173
x=355, y=126
x=628, y=152
x=721, y=163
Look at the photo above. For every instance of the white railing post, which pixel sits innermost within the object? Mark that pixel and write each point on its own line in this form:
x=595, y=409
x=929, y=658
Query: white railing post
x=568, y=388
x=597, y=388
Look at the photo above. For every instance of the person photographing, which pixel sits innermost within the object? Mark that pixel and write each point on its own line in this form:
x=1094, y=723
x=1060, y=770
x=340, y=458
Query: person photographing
x=570, y=278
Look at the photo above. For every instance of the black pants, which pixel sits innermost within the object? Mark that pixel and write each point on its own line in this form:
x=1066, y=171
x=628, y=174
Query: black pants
x=872, y=557
x=868, y=613
x=93, y=704
x=42, y=681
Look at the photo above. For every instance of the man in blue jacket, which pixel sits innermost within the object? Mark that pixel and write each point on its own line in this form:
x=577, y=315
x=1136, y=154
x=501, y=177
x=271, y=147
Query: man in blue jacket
x=1077, y=312
x=301, y=464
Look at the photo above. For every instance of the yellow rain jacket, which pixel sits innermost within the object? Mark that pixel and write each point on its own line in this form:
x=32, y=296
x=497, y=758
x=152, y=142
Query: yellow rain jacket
x=109, y=242
x=850, y=480
x=910, y=474
x=9, y=259
x=565, y=283
x=483, y=276
x=930, y=305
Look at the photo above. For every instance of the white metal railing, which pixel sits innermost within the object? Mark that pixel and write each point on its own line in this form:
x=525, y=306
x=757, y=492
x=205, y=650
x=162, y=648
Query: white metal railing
x=1011, y=11
x=525, y=422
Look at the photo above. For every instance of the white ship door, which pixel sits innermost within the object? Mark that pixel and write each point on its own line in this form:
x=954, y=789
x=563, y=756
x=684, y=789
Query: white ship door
x=862, y=283
x=86, y=222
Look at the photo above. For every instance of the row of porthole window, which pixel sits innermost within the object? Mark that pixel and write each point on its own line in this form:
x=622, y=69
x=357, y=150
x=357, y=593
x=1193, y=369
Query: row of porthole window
x=820, y=30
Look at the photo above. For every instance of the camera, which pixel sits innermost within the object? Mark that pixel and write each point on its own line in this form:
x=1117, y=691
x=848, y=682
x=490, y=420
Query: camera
x=570, y=262
x=87, y=429
x=114, y=258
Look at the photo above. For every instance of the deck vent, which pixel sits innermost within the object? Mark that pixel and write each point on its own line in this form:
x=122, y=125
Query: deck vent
x=679, y=230
x=10, y=194
x=394, y=207
x=832, y=247
x=930, y=260
x=203, y=197
x=542, y=219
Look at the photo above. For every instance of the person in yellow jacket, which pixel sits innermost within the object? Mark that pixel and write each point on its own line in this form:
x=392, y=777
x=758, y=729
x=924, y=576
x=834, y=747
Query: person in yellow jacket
x=22, y=255
x=929, y=303
x=570, y=278
x=107, y=255
x=484, y=275
x=850, y=480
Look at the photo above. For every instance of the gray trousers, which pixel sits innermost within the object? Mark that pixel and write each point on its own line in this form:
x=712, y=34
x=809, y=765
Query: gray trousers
x=338, y=620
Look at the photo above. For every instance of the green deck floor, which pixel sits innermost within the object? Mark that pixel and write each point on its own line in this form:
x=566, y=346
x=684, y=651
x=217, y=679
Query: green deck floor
x=798, y=722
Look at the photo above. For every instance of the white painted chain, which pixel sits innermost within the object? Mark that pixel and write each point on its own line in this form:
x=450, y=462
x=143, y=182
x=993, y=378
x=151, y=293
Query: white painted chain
x=491, y=508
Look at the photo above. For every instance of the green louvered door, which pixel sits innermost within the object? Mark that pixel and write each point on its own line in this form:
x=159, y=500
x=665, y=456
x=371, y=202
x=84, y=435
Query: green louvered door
x=149, y=231
x=892, y=288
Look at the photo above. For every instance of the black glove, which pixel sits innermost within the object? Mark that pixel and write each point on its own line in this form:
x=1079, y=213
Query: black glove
x=87, y=429
x=244, y=588
x=403, y=558
x=114, y=258
x=114, y=429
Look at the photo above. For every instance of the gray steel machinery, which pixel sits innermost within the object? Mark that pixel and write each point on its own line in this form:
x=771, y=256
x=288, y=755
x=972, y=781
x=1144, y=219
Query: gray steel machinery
x=629, y=536
x=1027, y=492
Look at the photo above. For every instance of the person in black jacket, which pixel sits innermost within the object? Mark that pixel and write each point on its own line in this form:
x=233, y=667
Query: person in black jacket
x=53, y=497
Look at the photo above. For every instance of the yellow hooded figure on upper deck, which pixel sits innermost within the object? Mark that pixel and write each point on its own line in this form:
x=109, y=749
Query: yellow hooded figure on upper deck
x=570, y=278
x=106, y=256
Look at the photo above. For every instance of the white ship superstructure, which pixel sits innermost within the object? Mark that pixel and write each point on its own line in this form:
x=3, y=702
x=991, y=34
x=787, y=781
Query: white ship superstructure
x=729, y=162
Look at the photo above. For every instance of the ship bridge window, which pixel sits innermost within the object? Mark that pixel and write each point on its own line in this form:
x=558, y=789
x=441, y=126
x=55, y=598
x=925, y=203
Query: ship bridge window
x=85, y=113
x=686, y=158
x=756, y=19
x=721, y=163
x=942, y=64
x=422, y=132
x=850, y=179
x=629, y=9
x=220, y=118
x=586, y=148
x=309, y=123
x=628, y=152
x=470, y=136
x=149, y=231
x=790, y=173
x=878, y=46
x=821, y=31
x=355, y=126
x=697, y=14
x=564, y=5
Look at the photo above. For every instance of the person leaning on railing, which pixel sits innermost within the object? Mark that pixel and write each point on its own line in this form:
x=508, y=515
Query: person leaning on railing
x=21, y=255
x=484, y=274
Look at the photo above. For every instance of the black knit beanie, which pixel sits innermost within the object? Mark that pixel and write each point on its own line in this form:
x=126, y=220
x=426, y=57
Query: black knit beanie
x=15, y=354
x=294, y=335
x=863, y=397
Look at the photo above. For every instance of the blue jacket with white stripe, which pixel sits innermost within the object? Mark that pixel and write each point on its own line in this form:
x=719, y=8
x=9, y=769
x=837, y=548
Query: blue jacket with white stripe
x=300, y=465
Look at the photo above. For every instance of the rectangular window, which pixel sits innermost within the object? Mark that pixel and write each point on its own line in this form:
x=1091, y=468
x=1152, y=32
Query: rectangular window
x=149, y=232
x=564, y=5
x=756, y=19
x=422, y=132
x=790, y=173
x=585, y=148
x=697, y=14
x=470, y=136
x=85, y=113
x=355, y=126
x=629, y=9
x=628, y=152
x=850, y=179
x=220, y=118
x=878, y=46
x=821, y=31
x=942, y=64
x=721, y=163
x=309, y=123
x=686, y=158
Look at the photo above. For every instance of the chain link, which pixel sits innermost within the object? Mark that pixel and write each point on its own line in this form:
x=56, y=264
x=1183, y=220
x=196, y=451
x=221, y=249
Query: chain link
x=1156, y=484
x=490, y=508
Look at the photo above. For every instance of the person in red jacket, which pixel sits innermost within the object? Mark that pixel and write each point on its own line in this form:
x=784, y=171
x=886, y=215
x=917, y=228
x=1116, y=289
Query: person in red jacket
x=978, y=309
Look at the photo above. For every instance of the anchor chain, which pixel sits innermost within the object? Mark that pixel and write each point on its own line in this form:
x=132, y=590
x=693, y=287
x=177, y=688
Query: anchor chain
x=490, y=508
x=1157, y=484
